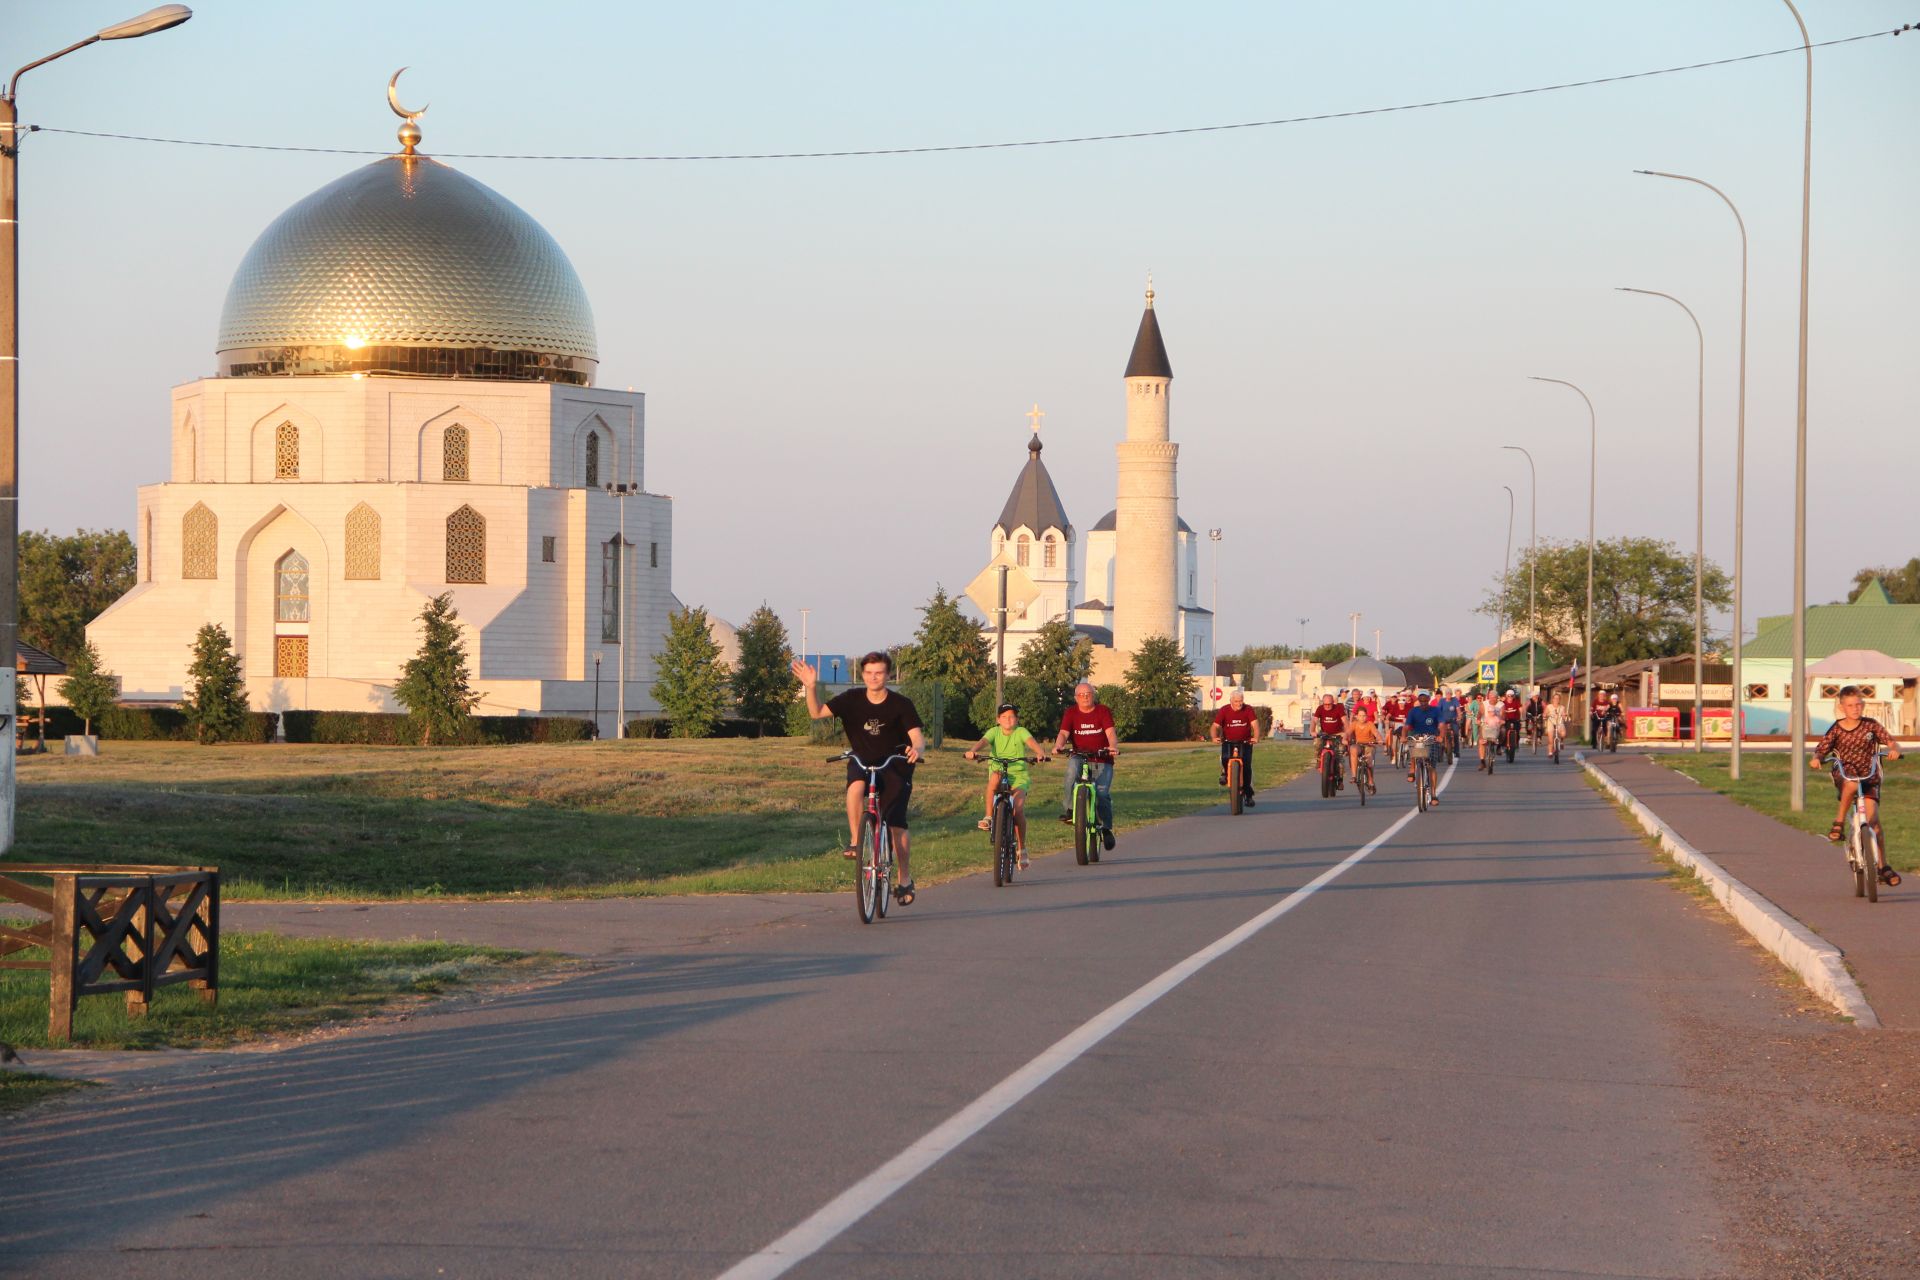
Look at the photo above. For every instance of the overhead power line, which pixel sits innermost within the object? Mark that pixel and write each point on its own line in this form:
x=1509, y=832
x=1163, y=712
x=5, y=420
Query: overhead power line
x=848, y=153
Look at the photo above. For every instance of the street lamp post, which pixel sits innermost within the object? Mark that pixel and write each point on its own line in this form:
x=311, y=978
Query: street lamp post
x=1506, y=570
x=1699, y=514
x=1533, y=553
x=803, y=637
x=1303, y=634
x=1213, y=535
x=1354, y=648
x=1593, y=462
x=596, y=692
x=1739, y=688
x=621, y=492
x=168, y=15
x=1797, y=785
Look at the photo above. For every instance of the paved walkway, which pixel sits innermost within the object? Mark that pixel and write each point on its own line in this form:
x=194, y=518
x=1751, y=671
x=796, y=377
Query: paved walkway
x=1802, y=874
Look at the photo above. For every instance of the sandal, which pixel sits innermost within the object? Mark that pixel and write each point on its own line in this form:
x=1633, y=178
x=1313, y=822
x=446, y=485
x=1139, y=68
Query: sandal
x=903, y=894
x=985, y=824
x=1889, y=877
x=1836, y=833
x=851, y=851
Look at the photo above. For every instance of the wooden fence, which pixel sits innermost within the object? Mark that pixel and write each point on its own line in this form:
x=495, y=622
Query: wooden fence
x=133, y=929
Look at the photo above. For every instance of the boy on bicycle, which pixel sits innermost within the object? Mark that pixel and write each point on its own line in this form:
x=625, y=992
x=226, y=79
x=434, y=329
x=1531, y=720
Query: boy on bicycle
x=1853, y=742
x=1008, y=740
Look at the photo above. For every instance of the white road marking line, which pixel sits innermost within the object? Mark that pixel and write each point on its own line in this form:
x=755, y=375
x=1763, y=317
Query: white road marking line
x=868, y=1194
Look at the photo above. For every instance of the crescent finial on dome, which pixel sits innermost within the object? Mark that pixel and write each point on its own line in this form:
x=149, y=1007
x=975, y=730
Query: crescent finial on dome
x=409, y=131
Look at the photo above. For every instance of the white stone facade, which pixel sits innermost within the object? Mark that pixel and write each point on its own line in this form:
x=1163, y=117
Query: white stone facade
x=360, y=477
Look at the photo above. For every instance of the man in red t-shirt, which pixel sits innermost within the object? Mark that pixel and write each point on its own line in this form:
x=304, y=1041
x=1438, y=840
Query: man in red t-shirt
x=1087, y=729
x=1330, y=726
x=1395, y=709
x=1236, y=728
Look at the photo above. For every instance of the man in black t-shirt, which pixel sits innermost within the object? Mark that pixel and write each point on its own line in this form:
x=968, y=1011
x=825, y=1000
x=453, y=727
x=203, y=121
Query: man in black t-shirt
x=879, y=723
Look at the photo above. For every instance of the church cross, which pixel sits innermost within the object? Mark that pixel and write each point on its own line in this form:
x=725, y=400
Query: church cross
x=1034, y=415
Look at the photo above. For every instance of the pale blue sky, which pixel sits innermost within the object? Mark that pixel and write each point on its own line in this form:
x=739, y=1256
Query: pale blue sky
x=834, y=348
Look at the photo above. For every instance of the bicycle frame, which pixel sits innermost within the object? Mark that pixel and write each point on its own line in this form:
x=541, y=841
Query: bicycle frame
x=873, y=883
x=1086, y=799
x=1003, y=824
x=1865, y=846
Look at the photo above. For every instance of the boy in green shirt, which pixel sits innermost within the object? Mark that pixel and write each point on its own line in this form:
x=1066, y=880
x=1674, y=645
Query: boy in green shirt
x=1009, y=741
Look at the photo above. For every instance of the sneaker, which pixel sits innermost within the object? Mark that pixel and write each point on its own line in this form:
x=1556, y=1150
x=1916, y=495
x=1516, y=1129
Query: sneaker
x=1223, y=777
x=1066, y=819
x=1024, y=864
x=1106, y=838
x=1249, y=802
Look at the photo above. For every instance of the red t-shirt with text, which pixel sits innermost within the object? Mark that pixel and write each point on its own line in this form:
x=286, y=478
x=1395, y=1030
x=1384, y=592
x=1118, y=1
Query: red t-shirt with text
x=1237, y=724
x=1331, y=720
x=1087, y=730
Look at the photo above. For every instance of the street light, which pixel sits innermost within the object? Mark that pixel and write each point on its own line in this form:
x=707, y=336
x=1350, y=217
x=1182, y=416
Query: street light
x=1699, y=513
x=1593, y=462
x=1214, y=536
x=1354, y=650
x=622, y=492
x=168, y=15
x=1506, y=570
x=1303, y=634
x=1797, y=784
x=596, y=692
x=1533, y=554
x=1739, y=688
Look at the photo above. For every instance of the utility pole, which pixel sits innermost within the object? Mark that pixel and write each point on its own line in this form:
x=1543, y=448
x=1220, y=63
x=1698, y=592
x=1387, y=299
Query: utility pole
x=1354, y=618
x=1376, y=644
x=804, y=653
x=1000, y=624
x=1214, y=536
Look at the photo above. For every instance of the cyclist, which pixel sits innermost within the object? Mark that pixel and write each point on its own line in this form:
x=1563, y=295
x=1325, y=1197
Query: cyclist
x=1597, y=717
x=879, y=722
x=1396, y=709
x=1236, y=728
x=1087, y=727
x=1492, y=722
x=1853, y=742
x=1423, y=721
x=1009, y=740
x=1511, y=712
x=1329, y=724
x=1449, y=705
x=1362, y=737
x=1557, y=721
x=1536, y=716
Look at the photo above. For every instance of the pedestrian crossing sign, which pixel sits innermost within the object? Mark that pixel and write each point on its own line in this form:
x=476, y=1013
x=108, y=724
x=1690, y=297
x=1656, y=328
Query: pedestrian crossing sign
x=1489, y=673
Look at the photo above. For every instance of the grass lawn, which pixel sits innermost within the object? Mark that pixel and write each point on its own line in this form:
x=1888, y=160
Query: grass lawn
x=269, y=986
x=1763, y=786
x=21, y=1089
x=573, y=819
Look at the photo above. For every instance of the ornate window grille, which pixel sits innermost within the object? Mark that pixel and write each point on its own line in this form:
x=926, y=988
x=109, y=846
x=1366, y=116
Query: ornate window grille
x=290, y=657
x=453, y=453
x=199, y=542
x=593, y=459
x=363, y=544
x=466, y=546
x=286, y=452
x=610, y=591
x=290, y=599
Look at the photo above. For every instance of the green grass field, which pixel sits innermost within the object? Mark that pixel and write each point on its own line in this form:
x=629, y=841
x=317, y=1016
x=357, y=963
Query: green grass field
x=578, y=819
x=1763, y=786
x=269, y=986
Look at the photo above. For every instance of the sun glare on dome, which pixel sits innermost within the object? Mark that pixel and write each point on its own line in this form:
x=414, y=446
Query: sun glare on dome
x=354, y=342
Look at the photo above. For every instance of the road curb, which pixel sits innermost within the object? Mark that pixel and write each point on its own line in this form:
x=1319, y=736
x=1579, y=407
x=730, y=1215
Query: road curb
x=1819, y=963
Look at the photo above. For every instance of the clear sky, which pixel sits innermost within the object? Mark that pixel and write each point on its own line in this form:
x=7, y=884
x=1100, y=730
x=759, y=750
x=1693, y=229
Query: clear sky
x=838, y=353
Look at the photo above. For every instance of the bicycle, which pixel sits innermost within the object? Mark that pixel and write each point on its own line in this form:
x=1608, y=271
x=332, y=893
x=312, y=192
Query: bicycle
x=873, y=887
x=1363, y=774
x=1086, y=829
x=1610, y=732
x=1421, y=749
x=1329, y=765
x=1510, y=738
x=1236, y=776
x=1535, y=731
x=1553, y=744
x=1004, y=834
x=1864, y=850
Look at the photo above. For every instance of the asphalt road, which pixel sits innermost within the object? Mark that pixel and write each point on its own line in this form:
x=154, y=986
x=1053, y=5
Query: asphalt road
x=1462, y=1056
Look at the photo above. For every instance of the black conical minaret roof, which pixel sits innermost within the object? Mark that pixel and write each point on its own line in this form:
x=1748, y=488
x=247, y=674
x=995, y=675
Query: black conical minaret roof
x=1149, y=358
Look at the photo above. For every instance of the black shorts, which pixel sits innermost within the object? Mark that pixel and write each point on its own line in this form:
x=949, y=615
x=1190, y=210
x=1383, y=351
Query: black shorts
x=896, y=788
x=1870, y=788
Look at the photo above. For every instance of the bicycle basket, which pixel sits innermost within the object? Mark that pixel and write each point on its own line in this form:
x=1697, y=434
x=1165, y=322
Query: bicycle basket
x=1423, y=749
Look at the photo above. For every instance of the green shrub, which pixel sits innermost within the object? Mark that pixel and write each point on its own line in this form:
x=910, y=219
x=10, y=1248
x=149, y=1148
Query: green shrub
x=386, y=729
x=1029, y=695
x=1169, y=724
x=1126, y=710
x=799, y=723
x=154, y=724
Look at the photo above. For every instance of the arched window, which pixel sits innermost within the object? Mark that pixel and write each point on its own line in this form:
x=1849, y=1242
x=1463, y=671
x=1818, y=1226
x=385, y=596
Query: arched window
x=1050, y=552
x=290, y=589
x=1023, y=551
x=199, y=542
x=453, y=453
x=363, y=544
x=286, y=452
x=593, y=459
x=466, y=546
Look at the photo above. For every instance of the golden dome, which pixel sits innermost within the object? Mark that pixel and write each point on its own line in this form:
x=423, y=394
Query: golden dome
x=407, y=266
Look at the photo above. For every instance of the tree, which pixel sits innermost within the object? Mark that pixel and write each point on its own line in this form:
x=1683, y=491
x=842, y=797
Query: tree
x=1126, y=711
x=1029, y=696
x=763, y=681
x=1056, y=659
x=1331, y=653
x=951, y=648
x=1902, y=584
x=435, y=686
x=1159, y=675
x=67, y=582
x=1643, y=596
x=692, y=688
x=216, y=701
x=89, y=690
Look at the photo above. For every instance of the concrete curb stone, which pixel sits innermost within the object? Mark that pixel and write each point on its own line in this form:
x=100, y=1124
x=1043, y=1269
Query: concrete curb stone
x=1819, y=963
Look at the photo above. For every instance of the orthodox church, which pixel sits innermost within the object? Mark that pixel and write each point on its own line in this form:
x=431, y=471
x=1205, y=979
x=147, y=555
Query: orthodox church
x=403, y=405
x=1141, y=560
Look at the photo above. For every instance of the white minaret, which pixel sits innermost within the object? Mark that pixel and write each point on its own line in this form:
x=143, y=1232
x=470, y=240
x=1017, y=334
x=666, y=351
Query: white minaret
x=1145, y=510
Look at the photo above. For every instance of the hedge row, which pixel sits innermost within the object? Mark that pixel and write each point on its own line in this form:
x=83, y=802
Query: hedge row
x=662, y=727
x=151, y=724
x=389, y=729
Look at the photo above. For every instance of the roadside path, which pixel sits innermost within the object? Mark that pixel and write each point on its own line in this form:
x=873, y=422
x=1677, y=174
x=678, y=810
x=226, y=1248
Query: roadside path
x=1802, y=874
x=1474, y=1052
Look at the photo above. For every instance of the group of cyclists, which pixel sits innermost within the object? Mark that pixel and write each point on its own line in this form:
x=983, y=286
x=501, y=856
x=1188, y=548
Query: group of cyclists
x=881, y=723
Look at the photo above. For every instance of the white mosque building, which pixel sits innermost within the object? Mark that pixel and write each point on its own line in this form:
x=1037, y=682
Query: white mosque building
x=403, y=405
x=1141, y=560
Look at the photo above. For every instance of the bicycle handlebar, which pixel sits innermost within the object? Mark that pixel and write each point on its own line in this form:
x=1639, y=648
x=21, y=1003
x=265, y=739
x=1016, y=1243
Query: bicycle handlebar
x=1020, y=760
x=875, y=768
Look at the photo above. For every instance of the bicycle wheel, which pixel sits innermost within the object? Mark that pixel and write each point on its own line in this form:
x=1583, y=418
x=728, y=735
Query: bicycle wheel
x=1234, y=799
x=1083, y=834
x=1512, y=741
x=868, y=876
x=1362, y=779
x=1869, y=861
x=1420, y=784
x=883, y=877
x=1002, y=844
